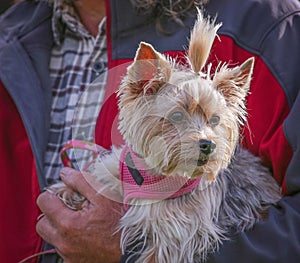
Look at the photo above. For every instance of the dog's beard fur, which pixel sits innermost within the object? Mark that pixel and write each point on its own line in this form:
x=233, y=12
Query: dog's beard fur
x=188, y=228
x=166, y=111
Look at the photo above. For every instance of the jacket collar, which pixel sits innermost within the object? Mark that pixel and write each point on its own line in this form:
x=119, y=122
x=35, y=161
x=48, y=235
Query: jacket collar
x=25, y=46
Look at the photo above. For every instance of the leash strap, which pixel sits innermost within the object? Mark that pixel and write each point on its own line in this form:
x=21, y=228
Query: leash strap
x=77, y=144
x=83, y=145
x=37, y=255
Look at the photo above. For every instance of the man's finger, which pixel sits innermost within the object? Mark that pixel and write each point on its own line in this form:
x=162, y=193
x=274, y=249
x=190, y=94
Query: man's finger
x=88, y=185
x=46, y=230
x=78, y=181
x=53, y=208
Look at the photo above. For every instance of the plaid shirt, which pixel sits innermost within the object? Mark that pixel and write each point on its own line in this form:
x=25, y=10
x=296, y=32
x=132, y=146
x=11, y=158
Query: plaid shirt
x=78, y=69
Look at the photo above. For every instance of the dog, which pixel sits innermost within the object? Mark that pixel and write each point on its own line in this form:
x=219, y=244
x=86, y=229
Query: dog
x=186, y=183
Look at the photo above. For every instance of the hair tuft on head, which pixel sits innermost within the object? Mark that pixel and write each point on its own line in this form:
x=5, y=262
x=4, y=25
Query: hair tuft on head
x=202, y=38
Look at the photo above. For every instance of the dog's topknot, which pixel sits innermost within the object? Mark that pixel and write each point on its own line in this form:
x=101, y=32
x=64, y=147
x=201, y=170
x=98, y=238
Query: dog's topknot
x=202, y=38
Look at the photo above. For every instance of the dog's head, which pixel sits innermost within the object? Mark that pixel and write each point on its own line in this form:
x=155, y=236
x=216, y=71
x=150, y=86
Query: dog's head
x=179, y=119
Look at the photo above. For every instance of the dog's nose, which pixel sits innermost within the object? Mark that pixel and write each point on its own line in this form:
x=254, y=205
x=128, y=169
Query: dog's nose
x=207, y=146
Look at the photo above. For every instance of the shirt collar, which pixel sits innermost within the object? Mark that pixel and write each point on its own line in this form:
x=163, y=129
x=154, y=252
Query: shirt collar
x=65, y=16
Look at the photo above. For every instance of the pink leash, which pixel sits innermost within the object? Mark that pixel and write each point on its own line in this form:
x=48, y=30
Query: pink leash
x=83, y=145
x=50, y=251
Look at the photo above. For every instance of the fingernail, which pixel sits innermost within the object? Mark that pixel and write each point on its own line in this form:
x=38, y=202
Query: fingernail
x=66, y=171
x=40, y=217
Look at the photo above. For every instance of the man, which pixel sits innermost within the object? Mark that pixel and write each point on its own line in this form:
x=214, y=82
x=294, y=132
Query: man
x=48, y=58
x=87, y=236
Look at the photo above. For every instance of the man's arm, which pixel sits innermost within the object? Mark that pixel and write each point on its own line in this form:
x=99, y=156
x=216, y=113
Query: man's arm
x=276, y=239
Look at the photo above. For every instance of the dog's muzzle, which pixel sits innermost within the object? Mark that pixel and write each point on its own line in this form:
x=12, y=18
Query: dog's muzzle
x=206, y=148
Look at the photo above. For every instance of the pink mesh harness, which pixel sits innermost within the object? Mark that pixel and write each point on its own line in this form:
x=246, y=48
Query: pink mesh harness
x=139, y=182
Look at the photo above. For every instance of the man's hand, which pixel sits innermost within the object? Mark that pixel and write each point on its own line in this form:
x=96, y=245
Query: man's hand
x=85, y=236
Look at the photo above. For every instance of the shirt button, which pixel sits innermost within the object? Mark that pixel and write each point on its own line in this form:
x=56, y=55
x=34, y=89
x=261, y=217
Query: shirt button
x=99, y=66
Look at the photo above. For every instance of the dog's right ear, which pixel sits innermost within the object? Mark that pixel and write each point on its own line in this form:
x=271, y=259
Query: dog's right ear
x=149, y=71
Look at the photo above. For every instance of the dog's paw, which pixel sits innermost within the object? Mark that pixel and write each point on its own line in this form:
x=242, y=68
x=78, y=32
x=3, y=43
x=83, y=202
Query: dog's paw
x=71, y=199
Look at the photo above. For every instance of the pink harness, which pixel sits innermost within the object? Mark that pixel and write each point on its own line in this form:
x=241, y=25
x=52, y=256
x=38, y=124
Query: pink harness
x=139, y=182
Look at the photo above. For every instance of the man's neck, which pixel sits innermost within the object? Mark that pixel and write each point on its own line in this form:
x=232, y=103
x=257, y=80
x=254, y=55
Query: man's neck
x=91, y=12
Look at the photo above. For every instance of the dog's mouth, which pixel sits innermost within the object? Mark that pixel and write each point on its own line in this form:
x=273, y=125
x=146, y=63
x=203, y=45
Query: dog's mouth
x=202, y=160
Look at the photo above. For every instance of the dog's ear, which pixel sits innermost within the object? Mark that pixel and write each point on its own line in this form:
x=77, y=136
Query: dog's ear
x=149, y=71
x=234, y=83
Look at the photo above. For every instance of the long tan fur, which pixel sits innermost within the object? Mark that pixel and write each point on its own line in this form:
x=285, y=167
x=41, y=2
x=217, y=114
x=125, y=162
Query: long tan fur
x=202, y=38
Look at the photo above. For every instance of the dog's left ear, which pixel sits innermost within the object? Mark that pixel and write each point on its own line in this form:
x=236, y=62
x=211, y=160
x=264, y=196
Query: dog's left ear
x=234, y=83
x=149, y=71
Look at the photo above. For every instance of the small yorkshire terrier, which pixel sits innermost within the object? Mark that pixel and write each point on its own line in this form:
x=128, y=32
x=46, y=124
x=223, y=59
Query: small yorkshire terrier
x=186, y=183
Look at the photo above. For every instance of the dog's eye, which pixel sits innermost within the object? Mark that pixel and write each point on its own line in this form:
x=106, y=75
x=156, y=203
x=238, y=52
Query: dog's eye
x=176, y=117
x=214, y=120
